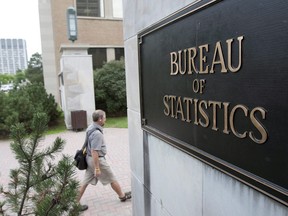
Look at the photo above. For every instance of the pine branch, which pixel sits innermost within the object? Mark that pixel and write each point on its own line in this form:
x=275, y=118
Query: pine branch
x=58, y=146
x=27, y=188
x=56, y=200
x=2, y=203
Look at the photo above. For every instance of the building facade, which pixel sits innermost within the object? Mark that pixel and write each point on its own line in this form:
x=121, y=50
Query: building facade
x=99, y=25
x=13, y=55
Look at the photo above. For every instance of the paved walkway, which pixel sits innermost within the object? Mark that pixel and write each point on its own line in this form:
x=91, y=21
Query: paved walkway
x=102, y=201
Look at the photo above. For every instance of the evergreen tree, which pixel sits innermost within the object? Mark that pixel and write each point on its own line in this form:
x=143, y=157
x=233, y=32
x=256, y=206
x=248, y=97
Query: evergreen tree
x=39, y=186
x=34, y=72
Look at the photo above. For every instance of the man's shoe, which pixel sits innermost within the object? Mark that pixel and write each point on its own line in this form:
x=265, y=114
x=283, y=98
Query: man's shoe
x=83, y=208
x=126, y=196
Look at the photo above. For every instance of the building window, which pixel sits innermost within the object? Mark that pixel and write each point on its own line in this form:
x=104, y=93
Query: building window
x=9, y=44
x=15, y=45
x=20, y=44
x=99, y=57
x=3, y=45
x=119, y=53
x=90, y=8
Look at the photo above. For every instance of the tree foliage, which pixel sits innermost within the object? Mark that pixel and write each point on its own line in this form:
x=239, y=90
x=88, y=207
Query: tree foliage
x=6, y=78
x=110, y=87
x=40, y=186
x=19, y=77
x=34, y=72
x=16, y=80
x=21, y=103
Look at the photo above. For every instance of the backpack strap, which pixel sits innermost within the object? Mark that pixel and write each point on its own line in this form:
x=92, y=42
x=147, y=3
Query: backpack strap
x=87, y=136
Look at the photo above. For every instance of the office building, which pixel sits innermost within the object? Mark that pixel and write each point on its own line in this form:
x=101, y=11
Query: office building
x=13, y=55
x=99, y=24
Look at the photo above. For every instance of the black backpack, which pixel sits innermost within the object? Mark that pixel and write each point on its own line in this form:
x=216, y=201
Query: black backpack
x=80, y=156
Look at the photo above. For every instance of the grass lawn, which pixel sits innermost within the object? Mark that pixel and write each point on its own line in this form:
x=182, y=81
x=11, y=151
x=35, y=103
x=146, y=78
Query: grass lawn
x=113, y=122
x=116, y=122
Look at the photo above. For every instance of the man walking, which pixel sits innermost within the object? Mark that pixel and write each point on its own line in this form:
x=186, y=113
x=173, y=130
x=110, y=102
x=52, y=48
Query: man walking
x=98, y=168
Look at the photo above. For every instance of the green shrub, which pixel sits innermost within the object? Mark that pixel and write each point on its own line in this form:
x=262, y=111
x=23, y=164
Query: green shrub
x=110, y=88
x=4, y=114
x=43, y=102
x=21, y=103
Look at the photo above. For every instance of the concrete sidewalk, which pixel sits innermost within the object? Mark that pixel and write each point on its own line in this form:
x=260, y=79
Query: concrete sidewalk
x=102, y=201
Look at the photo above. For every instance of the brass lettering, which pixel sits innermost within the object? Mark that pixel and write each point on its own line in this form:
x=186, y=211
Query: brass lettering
x=258, y=125
x=179, y=109
x=196, y=112
x=182, y=62
x=174, y=64
x=191, y=60
x=218, y=52
x=202, y=85
x=167, y=109
x=215, y=104
x=226, y=105
x=229, y=44
x=173, y=99
x=203, y=113
x=182, y=108
x=231, y=120
x=195, y=85
x=188, y=102
x=203, y=59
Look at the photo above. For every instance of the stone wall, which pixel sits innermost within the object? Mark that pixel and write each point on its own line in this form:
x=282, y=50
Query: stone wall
x=165, y=180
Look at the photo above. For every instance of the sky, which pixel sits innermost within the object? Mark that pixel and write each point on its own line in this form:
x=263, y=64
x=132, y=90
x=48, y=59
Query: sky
x=20, y=19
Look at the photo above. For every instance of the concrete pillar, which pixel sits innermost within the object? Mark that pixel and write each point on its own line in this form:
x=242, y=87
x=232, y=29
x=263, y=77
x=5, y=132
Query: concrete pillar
x=108, y=9
x=110, y=52
x=76, y=82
